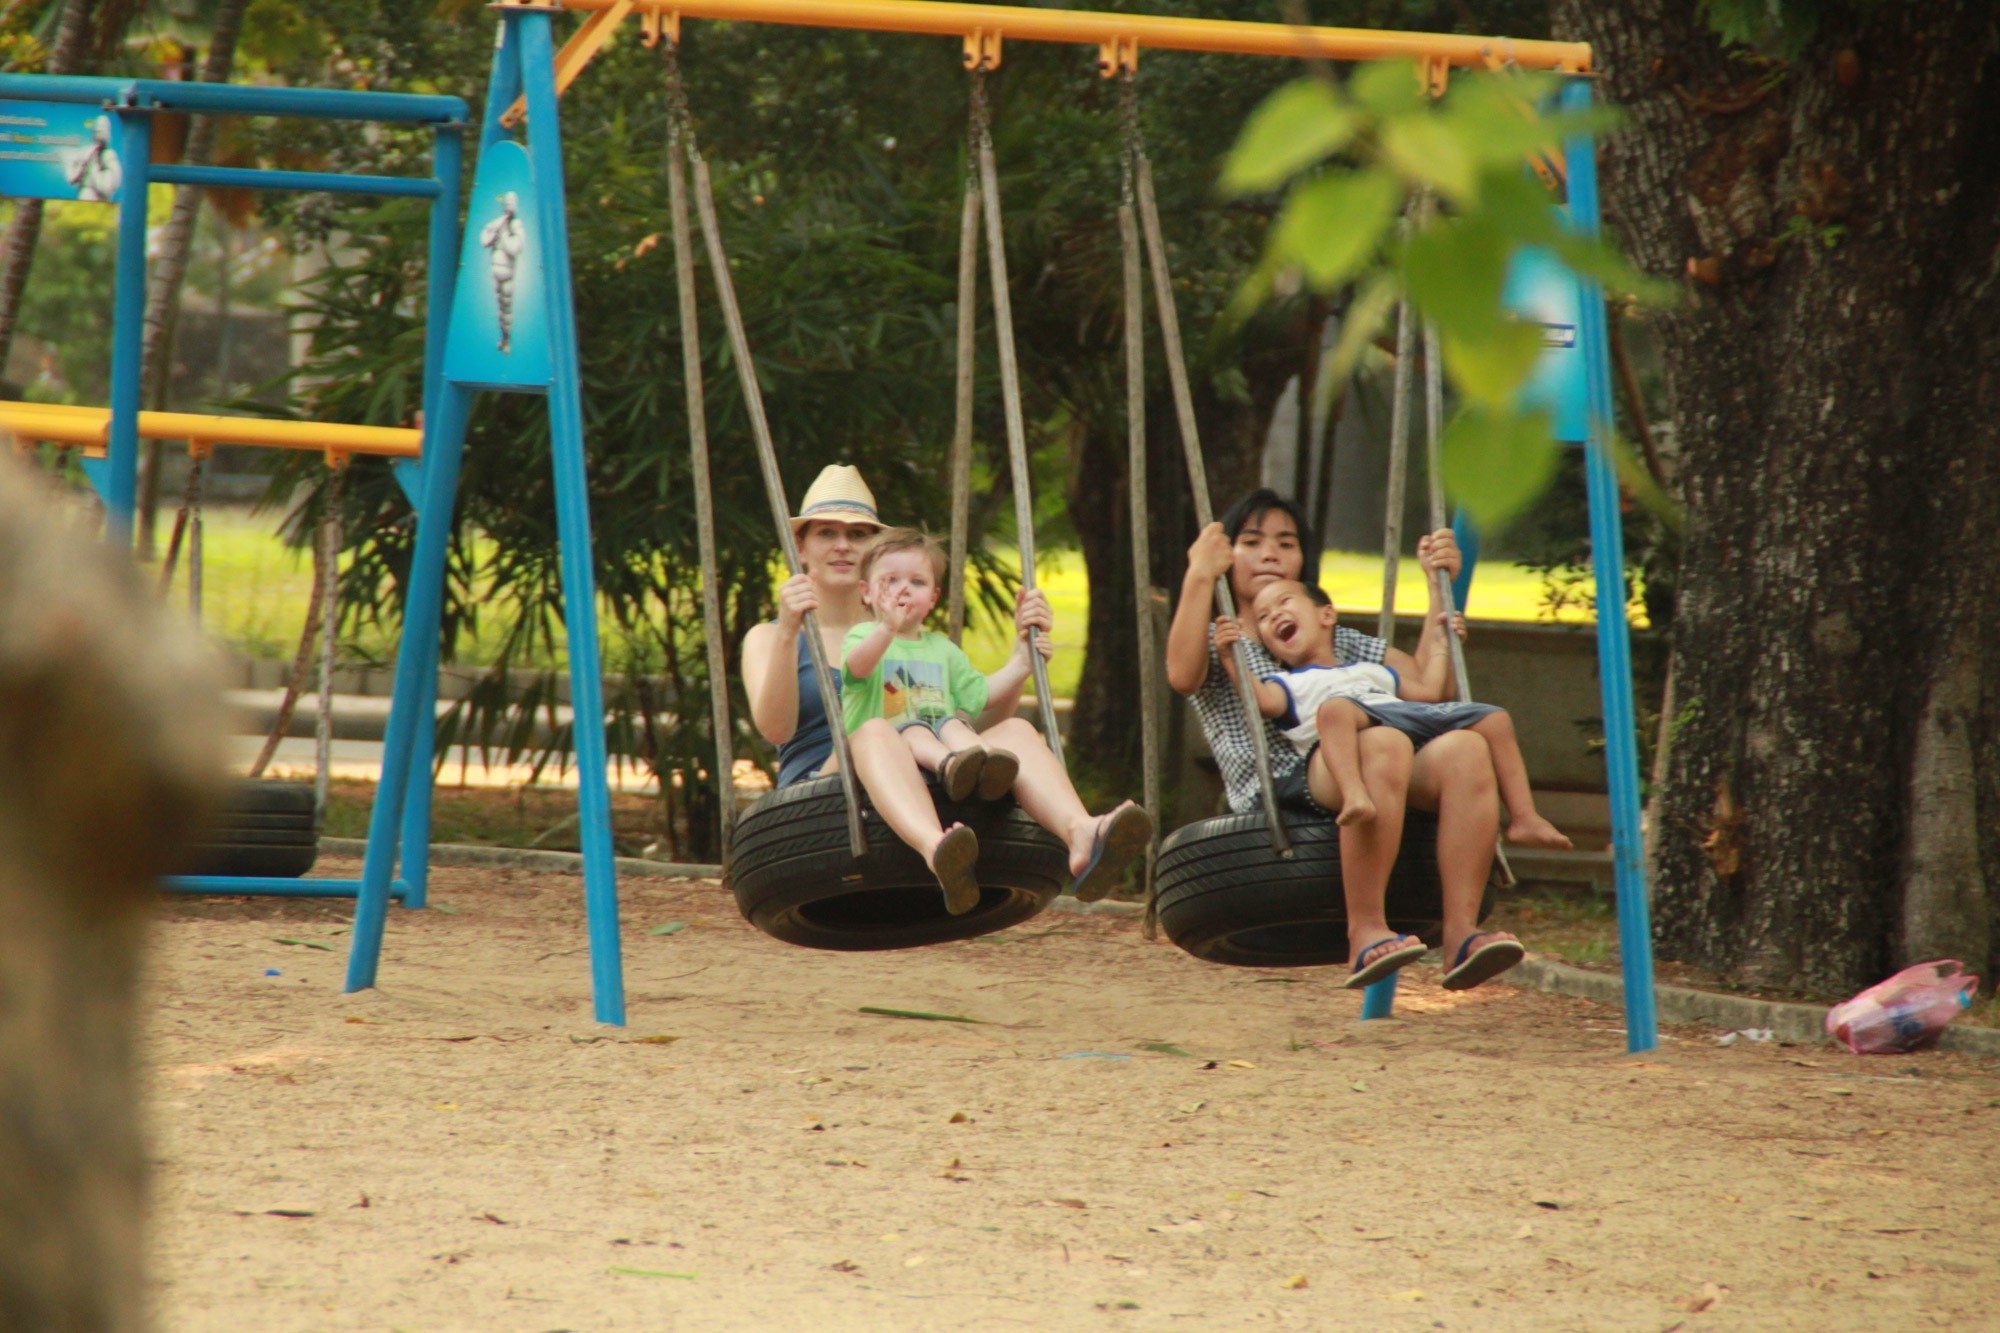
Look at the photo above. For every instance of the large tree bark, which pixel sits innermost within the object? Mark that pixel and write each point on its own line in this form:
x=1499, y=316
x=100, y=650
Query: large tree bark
x=1832, y=378
x=17, y=252
x=111, y=726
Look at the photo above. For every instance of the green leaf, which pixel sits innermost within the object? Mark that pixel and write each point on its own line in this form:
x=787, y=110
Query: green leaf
x=1333, y=224
x=1366, y=314
x=669, y=928
x=1456, y=271
x=1296, y=126
x=920, y=1014
x=1429, y=148
x=308, y=944
x=1604, y=265
x=1492, y=368
x=1497, y=463
x=1387, y=87
x=652, y=1272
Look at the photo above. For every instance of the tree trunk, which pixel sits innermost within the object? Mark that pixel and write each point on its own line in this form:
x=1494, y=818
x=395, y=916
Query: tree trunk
x=17, y=252
x=169, y=267
x=111, y=723
x=1832, y=376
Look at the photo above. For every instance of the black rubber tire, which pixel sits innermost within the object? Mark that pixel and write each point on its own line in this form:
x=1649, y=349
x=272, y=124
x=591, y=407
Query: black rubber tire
x=1225, y=897
x=795, y=880
x=258, y=862
x=266, y=830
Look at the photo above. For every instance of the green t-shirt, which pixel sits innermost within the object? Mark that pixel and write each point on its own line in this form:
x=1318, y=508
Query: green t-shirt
x=925, y=679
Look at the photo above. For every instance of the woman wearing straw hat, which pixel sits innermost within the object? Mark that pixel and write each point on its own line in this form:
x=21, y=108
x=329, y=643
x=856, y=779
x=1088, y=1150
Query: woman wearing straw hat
x=835, y=522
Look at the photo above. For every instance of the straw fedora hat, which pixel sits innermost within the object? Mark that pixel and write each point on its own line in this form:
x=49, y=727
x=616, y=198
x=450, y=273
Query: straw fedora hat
x=837, y=493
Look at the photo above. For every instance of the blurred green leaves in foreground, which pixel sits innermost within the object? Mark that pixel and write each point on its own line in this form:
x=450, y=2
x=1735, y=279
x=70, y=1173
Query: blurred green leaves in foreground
x=1396, y=195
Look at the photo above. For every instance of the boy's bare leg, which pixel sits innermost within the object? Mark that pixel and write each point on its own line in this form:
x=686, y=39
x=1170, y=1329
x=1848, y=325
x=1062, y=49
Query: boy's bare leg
x=1525, y=824
x=1368, y=849
x=1339, y=722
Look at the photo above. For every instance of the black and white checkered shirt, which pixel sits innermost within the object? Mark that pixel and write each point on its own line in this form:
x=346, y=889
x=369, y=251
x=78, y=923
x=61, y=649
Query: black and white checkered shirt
x=1220, y=710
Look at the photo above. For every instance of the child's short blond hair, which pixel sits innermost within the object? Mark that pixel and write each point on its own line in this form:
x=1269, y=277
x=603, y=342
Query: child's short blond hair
x=892, y=540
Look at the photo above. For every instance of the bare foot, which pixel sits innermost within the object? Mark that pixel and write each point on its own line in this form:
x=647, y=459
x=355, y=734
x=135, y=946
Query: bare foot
x=952, y=861
x=1531, y=830
x=1360, y=810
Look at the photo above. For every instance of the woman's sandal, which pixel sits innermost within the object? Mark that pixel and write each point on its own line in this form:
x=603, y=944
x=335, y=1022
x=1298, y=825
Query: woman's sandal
x=961, y=771
x=996, y=779
x=1488, y=961
x=952, y=861
x=1392, y=953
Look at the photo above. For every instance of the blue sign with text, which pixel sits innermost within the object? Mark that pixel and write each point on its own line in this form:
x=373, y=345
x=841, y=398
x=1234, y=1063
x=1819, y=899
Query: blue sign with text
x=59, y=150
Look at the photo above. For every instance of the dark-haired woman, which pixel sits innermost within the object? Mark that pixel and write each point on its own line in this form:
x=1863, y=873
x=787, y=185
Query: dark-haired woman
x=1263, y=538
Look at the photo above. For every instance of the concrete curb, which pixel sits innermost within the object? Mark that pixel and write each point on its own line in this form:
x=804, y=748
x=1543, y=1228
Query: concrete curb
x=515, y=858
x=1676, y=1004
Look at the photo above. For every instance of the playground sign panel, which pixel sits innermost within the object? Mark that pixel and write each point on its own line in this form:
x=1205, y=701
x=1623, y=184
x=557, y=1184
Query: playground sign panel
x=499, y=317
x=1542, y=291
x=58, y=150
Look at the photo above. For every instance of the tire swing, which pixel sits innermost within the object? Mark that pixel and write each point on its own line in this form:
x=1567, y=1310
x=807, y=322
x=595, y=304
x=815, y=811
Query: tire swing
x=268, y=828
x=1260, y=889
x=811, y=864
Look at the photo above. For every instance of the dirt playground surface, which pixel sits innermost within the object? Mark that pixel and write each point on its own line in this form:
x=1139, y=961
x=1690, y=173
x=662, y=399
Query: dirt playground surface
x=464, y=1149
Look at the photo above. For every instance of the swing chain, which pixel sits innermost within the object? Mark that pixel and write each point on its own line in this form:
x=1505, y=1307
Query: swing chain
x=680, y=115
x=1134, y=146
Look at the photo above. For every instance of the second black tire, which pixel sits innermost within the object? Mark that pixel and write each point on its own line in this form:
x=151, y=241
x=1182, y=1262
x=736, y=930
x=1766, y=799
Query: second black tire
x=1226, y=897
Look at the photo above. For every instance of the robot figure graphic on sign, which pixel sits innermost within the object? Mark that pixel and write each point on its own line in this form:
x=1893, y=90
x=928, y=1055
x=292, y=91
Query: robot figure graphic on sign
x=94, y=171
x=505, y=239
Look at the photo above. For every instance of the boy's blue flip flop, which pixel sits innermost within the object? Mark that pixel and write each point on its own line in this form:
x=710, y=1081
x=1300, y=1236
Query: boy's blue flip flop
x=1489, y=960
x=1121, y=835
x=1387, y=961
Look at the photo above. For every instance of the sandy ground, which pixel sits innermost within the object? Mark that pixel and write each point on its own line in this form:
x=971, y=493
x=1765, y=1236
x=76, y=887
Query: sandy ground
x=464, y=1149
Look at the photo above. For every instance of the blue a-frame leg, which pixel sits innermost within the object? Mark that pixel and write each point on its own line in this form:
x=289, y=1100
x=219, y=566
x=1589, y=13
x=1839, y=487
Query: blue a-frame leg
x=523, y=62
x=1614, y=640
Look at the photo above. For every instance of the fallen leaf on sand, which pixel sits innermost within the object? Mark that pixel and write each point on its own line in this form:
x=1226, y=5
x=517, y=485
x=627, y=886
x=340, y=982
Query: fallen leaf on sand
x=1296, y=1282
x=1413, y=1294
x=1525, y=1232
x=657, y=1039
x=1067, y=1203
x=1163, y=1048
x=1241, y=1064
x=652, y=1272
x=1189, y=1108
x=845, y=1266
x=913, y=1261
x=1192, y=1226
x=959, y=1118
x=1707, y=1298
x=668, y=928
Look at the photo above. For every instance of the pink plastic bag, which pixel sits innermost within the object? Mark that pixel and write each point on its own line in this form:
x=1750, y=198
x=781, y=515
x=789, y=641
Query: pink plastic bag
x=1904, y=1013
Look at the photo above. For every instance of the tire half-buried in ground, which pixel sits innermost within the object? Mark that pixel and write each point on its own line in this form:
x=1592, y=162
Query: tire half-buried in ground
x=1226, y=897
x=795, y=879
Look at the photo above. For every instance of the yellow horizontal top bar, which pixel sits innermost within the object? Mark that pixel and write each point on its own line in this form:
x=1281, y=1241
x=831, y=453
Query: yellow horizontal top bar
x=1087, y=28
x=87, y=426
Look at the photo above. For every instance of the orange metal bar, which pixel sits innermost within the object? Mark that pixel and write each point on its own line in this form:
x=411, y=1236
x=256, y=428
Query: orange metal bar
x=1086, y=28
x=85, y=427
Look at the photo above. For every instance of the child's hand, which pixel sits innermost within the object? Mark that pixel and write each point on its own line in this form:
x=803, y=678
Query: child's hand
x=1227, y=634
x=906, y=612
x=1439, y=550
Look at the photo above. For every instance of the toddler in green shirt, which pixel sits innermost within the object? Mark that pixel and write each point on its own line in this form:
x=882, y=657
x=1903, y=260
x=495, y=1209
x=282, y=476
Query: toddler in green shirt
x=923, y=684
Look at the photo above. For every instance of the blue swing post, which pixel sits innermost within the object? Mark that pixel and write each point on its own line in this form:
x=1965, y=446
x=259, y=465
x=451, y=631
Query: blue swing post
x=1614, y=641
x=544, y=362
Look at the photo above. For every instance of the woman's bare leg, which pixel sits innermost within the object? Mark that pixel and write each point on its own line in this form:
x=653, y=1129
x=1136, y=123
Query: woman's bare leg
x=1339, y=722
x=887, y=767
x=1043, y=787
x=1368, y=849
x=1453, y=775
x=1525, y=824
